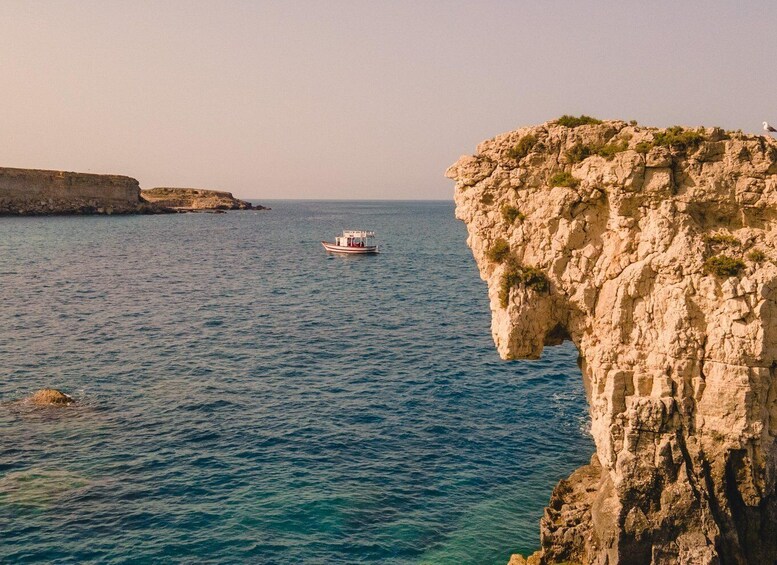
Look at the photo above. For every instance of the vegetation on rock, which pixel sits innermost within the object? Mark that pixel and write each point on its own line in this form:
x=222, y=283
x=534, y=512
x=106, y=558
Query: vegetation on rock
x=498, y=251
x=723, y=266
x=678, y=138
x=675, y=138
x=573, y=122
x=516, y=274
x=723, y=239
x=522, y=148
x=563, y=178
x=580, y=151
x=609, y=150
x=511, y=213
x=643, y=147
x=757, y=256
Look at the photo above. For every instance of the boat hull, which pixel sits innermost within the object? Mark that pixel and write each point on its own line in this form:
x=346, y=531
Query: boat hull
x=345, y=250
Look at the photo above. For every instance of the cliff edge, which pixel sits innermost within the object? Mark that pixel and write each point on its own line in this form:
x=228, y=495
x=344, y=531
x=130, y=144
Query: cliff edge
x=27, y=192
x=653, y=250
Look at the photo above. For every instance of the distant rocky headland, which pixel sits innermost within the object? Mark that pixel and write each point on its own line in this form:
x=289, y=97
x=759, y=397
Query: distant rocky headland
x=196, y=199
x=31, y=192
x=653, y=251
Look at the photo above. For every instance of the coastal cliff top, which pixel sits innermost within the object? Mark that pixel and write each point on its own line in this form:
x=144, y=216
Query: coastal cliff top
x=195, y=199
x=590, y=149
x=36, y=174
x=163, y=191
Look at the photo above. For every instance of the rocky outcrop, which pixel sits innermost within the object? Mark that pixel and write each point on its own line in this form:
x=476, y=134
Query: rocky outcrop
x=194, y=199
x=28, y=192
x=51, y=397
x=653, y=251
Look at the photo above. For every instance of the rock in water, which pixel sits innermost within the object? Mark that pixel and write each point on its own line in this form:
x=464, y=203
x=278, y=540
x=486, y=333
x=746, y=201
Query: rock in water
x=50, y=396
x=653, y=251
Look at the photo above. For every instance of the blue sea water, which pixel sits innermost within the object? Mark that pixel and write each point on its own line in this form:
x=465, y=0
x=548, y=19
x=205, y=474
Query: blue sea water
x=245, y=397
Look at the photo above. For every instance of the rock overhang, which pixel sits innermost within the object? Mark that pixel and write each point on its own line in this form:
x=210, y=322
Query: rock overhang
x=658, y=250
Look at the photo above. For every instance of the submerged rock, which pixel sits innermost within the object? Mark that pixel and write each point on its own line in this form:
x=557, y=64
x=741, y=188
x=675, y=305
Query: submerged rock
x=51, y=396
x=654, y=252
x=39, y=487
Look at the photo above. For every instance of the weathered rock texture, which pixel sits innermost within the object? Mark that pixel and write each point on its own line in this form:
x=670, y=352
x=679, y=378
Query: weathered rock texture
x=190, y=199
x=28, y=192
x=678, y=361
x=51, y=397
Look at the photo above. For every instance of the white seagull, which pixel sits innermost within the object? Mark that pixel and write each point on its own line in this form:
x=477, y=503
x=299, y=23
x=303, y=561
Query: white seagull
x=768, y=128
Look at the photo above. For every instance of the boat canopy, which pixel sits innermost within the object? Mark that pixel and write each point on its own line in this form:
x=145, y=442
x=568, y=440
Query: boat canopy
x=358, y=233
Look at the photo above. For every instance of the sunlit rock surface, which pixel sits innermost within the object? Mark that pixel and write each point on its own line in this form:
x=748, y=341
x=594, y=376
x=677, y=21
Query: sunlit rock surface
x=31, y=192
x=193, y=199
x=655, y=253
x=51, y=397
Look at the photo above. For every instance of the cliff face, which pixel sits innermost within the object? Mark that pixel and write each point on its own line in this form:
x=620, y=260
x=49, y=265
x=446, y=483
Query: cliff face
x=196, y=199
x=653, y=251
x=33, y=192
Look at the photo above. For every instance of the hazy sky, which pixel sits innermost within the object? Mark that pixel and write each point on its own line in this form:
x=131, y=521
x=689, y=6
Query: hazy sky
x=356, y=99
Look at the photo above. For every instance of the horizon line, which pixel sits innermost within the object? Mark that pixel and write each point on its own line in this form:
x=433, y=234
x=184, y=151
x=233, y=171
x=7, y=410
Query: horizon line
x=350, y=199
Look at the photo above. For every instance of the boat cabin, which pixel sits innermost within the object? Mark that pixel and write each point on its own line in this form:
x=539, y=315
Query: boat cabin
x=355, y=238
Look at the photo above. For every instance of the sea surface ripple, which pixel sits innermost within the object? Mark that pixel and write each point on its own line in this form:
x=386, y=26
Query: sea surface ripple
x=245, y=397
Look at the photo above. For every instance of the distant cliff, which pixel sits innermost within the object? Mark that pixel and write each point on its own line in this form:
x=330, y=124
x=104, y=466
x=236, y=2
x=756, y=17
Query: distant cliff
x=193, y=199
x=653, y=250
x=36, y=192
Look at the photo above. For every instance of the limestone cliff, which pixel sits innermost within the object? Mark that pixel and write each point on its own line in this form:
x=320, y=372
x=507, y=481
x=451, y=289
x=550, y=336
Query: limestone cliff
x=654, y=252
x=35, y=192
x=192, y=199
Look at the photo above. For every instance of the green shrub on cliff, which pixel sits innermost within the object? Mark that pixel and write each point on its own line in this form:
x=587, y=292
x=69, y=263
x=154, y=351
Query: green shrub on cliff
x=522, y=148
x=643, y=147
x=511, y=213
x=609, y=150
x=487, y=198
x=498, y=251
x=580, y=151
x=563, y=178
x=519, y=275
x=723, y=266
x=723, y=239
x=573, y=122
x=678, y=138
x=756, y=256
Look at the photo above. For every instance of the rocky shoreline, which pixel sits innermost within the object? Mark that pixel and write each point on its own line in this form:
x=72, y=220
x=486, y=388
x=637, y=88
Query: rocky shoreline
x=652, y=250
x=32, y=192
x=196, y=199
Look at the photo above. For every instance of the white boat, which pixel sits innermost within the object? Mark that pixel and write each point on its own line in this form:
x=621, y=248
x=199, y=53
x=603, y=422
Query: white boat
x=353, y=242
